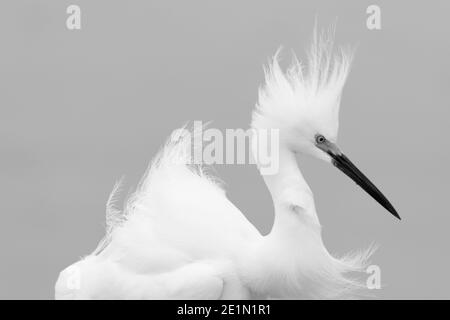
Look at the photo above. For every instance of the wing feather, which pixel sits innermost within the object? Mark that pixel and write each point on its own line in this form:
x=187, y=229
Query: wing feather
x=178, y=217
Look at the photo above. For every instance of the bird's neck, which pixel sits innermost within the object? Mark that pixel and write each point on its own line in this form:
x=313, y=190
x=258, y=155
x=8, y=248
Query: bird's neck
x=292, y=258
x=292, y=197
x=293, y=252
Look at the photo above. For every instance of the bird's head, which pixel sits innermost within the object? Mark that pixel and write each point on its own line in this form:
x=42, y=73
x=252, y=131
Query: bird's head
x=303, y=104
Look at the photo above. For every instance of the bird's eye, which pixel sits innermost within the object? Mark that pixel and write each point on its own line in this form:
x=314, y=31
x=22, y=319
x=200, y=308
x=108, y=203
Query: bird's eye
x=320, y=138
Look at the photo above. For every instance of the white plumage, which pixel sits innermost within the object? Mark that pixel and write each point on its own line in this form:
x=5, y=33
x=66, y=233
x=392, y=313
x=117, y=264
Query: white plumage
x=179, y=237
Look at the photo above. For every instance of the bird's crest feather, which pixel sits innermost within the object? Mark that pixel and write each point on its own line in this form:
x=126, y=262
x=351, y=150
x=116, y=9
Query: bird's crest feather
x=286, y=95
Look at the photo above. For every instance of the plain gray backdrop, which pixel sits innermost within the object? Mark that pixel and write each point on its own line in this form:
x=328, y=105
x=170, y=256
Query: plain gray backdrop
x=81, y=108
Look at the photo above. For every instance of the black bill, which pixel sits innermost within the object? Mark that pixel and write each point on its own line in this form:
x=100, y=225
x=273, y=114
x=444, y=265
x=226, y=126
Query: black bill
x=346, y=166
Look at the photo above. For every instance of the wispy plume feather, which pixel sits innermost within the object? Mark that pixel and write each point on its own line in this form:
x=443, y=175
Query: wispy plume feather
x=286, y=95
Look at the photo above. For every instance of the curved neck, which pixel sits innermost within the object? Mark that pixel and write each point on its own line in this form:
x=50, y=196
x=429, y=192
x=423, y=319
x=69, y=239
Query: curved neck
x=292, y=258
x=291, y=194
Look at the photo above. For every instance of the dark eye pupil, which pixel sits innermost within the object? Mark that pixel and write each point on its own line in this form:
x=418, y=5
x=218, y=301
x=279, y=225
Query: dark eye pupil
x=320, y=139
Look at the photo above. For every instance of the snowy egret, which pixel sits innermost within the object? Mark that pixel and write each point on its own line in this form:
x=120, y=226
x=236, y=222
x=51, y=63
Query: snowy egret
x=179, y=237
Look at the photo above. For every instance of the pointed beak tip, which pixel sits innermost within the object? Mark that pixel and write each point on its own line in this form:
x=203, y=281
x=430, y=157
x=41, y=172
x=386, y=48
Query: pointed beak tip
x=392, y=210
x=396, y=215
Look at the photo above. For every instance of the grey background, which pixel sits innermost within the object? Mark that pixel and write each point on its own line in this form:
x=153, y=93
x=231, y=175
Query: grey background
x=81, y=108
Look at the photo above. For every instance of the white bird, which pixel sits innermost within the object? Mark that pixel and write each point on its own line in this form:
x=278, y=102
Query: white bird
x=179, y=237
